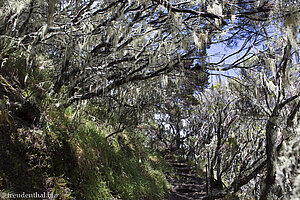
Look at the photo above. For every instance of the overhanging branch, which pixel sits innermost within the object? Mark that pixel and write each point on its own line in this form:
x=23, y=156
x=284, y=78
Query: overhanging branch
x=172, y=8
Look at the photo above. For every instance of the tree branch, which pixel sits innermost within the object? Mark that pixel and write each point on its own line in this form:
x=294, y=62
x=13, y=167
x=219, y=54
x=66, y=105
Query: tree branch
x=170, y=7
x=240, y=181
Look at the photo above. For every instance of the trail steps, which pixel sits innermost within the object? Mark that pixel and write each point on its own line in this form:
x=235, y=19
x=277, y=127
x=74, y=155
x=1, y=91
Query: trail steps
x=186, y=185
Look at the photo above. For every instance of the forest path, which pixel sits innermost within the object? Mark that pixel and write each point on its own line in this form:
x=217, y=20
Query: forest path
x=186, y=185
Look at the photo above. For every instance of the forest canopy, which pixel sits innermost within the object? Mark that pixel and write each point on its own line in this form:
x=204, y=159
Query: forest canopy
x=213, y=81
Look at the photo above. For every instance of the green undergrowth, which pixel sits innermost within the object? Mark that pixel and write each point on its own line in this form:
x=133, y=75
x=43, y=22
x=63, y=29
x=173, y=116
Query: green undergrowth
x=115, y=168
x=78, y=162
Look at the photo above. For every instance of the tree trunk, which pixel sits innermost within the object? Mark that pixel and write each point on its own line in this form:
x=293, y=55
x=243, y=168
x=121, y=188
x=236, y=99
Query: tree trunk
x=270, y=151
